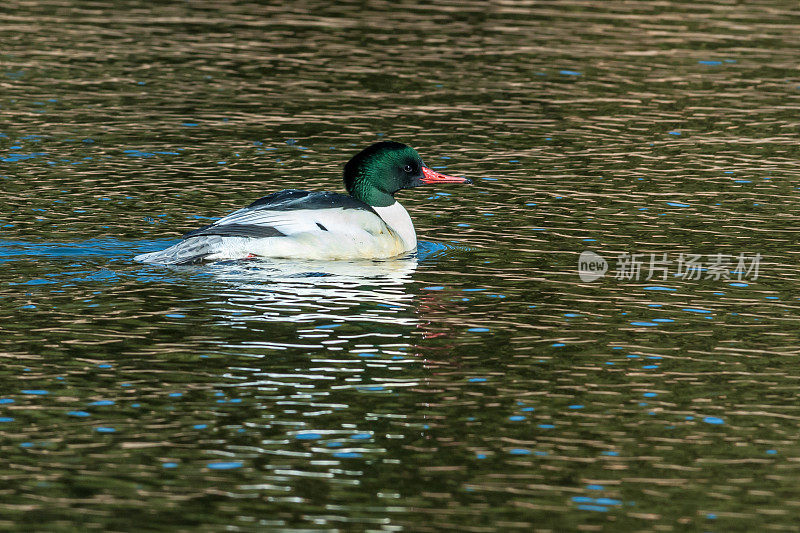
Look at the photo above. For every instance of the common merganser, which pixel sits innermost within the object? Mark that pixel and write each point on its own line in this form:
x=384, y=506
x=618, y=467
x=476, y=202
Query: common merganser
x=367, y=224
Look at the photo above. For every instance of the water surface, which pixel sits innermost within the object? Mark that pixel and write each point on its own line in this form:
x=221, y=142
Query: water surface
x=480, y=385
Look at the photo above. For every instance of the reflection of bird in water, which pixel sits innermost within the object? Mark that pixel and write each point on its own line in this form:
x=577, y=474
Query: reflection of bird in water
x=374, y=297
x=368, y=223
x=304, y=291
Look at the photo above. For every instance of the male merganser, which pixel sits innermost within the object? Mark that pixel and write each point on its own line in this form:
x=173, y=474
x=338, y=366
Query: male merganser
x=367, y=224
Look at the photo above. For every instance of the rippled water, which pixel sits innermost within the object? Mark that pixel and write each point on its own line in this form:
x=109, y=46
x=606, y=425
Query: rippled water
x=481, y=385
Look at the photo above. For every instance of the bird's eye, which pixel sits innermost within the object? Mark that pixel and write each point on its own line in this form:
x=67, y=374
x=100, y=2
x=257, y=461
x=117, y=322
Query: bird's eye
x=408, y=168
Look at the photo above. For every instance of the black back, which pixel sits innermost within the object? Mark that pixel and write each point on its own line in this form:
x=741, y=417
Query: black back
x=286, y=200
x=291, y=199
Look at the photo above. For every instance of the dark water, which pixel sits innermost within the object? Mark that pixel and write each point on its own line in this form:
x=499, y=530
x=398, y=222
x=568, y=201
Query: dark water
x=479, y=386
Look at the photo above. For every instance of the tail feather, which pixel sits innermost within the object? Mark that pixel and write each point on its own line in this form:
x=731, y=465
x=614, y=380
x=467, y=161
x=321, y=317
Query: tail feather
x=186, y=252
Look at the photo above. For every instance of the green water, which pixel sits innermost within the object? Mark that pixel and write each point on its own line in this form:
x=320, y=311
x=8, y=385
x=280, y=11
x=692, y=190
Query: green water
x=481, y=385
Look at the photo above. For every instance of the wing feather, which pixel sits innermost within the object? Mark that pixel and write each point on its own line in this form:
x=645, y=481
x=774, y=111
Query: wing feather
x=292, y=212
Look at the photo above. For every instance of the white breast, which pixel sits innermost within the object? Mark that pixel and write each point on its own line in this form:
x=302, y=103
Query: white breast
x=396, y=217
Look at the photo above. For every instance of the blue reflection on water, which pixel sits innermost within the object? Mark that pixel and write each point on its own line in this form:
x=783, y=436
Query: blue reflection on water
x=108, y=248
x=224, y=465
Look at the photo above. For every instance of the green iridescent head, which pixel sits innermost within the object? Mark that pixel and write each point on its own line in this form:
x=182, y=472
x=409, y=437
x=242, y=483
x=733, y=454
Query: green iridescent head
x=376, y=173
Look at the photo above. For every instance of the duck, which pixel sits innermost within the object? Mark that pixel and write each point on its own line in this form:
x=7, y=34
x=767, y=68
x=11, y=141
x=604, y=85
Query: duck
x=366, y=223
